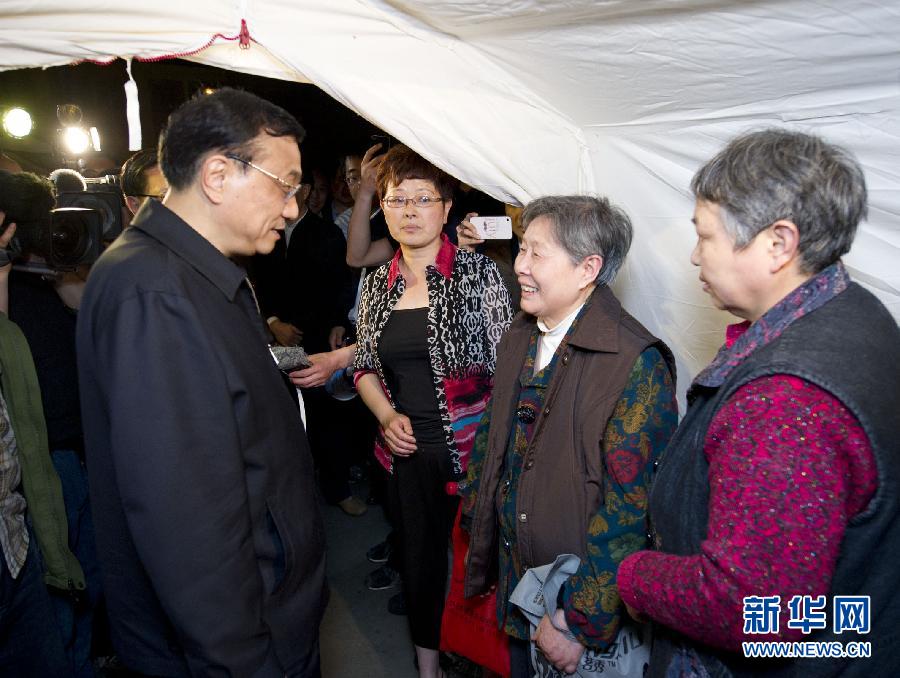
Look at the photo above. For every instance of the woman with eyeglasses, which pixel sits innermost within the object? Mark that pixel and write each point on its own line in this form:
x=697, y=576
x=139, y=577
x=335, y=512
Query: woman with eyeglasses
x=583, y=404
x=428, y=327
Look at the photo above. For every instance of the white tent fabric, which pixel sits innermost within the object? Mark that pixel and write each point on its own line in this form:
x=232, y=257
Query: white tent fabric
x=524, y=98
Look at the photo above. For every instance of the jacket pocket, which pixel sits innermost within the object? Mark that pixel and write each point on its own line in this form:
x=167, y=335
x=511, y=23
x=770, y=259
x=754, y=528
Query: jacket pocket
x=283, y=561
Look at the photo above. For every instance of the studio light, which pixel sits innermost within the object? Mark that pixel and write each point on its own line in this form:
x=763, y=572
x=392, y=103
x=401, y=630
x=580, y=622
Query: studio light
x=17, y=122
x=76, y=140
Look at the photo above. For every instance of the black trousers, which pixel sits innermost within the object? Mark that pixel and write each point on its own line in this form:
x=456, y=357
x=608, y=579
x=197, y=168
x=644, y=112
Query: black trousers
x=424, y=514
x=520, y=658
x=329, y=443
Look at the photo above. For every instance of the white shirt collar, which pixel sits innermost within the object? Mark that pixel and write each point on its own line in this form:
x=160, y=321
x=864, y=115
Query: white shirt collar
x=551, y=339
x=563, y=326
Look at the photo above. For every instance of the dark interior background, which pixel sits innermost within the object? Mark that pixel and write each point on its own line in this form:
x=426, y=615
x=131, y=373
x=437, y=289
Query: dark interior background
x=332, y=129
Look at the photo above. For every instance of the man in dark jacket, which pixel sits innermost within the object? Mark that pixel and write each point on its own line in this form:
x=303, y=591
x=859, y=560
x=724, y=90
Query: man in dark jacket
x=209, y=535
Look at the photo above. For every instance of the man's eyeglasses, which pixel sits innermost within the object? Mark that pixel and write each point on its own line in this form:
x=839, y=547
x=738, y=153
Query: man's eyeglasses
x=290, y=190
x=423, y=201
x=156, y=196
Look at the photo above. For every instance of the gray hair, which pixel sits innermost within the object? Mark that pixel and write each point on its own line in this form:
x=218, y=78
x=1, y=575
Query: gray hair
x=772, y=174
x=584, y=225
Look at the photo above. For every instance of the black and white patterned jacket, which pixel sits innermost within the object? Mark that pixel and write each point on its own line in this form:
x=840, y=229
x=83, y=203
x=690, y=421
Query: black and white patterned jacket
x=468, y=312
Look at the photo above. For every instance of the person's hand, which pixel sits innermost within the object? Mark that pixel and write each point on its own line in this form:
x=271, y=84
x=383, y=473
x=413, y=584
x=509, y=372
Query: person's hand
x=466, y=235
x=5, y=238
x=563, y=653
x=368, y=170
x=5, y=264
x=69, y=288
x=285, y=333
x=8, y=234
x=398, y=434
x=336, y=337
x=321, y=368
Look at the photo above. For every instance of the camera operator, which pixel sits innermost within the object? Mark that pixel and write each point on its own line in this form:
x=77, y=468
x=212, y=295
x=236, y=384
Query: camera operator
x=25, y=199
x=44, y=307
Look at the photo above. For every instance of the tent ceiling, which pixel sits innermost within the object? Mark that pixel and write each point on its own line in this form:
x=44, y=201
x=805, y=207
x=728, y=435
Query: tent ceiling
x=525, y=97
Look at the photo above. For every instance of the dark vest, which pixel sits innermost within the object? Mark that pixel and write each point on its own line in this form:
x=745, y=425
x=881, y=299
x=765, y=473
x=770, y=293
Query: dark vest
x=561, y=483
x=850, y=347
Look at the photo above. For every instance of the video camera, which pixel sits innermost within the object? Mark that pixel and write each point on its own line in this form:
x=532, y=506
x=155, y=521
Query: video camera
x=76, y=231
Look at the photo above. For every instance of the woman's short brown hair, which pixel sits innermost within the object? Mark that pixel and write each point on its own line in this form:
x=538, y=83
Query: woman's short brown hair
x=402, y=163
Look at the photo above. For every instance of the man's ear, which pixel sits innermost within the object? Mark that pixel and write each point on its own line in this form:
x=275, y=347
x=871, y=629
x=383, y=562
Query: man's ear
x=591, y=266
x=215, y=172
x=303, y=194
x=784, y=245
x=132, y=203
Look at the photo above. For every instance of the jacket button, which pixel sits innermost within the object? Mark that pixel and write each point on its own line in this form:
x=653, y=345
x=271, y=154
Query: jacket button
x=546, y=410
x=506, y=545
x=523, y=517
x=529, y=464
x=565, y=359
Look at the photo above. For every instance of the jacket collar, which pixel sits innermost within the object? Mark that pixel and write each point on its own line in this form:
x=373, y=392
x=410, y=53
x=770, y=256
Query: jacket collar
x=745, y=339
x=443, y=263
x=163, y=225
x=596, y=327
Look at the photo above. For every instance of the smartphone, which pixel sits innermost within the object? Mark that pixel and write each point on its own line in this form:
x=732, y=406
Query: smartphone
x=385, y=140
x=492, y=228
x=290, y=358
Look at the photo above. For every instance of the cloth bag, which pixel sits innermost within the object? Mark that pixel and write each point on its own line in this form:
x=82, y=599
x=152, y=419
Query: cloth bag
x=536, y=596
x=469, y=625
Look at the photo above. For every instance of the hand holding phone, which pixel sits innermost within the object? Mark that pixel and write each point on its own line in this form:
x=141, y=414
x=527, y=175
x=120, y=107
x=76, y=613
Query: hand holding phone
x=290, y=358
x=492, y=228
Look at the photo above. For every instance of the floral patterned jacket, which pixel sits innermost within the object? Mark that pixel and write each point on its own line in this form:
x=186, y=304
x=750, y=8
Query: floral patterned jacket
x=572, y=477
x=468, y=312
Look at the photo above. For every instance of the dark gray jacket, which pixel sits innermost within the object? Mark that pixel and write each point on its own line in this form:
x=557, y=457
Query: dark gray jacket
x=850, y=347
x=208, y=529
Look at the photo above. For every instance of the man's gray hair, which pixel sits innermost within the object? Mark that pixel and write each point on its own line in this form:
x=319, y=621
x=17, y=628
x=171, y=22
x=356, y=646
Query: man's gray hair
x=772, y=174
x=584, y=225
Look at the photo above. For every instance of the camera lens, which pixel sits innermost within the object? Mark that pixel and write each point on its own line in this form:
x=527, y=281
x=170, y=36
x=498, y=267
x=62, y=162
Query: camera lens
x=102, y=204
x=74, y=236
x=69, y=240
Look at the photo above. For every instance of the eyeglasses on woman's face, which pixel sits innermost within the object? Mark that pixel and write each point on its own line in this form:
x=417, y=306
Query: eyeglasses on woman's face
x=395, y=202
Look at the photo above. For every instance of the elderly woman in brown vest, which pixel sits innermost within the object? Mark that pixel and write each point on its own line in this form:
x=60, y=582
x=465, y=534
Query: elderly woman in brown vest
x=583, y=402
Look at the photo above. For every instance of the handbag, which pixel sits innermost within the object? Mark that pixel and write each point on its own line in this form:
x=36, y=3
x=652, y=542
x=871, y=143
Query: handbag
x=469, y=625
x=535, y=595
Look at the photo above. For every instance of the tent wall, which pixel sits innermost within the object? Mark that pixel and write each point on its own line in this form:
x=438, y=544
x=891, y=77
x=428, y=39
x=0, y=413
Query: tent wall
x=528, y=98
